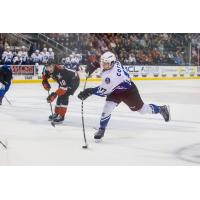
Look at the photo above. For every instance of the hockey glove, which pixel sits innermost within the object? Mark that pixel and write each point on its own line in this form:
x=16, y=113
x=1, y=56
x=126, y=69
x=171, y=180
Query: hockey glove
x=85, y=94
x=91, y=68
x=51, y=97
x=46, y=85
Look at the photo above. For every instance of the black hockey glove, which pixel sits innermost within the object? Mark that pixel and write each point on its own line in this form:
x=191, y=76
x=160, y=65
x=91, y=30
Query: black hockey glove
x=85, y=94
x=91, y=68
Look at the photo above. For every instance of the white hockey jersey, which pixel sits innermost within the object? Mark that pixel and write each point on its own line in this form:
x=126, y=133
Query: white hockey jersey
x=23, y=56
x=35, y=58
x=44, y=57
x=15, y=60
x=51, y=55
x=116, y=80
x=7, y=56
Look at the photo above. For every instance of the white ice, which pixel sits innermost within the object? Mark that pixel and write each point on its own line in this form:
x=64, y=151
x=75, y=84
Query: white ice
x=131, y=138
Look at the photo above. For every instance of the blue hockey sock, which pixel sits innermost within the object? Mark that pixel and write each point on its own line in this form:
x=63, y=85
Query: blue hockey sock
x=155, y=108
x=104, y=121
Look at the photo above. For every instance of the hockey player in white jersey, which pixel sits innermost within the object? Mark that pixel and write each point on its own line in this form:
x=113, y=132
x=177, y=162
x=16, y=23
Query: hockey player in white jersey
x=23, y=56
x=51, y=55
x=67, y=62
x=117, y=87
x=75, y=63
x=36, y=57
x=7, y=56
x=44, y=56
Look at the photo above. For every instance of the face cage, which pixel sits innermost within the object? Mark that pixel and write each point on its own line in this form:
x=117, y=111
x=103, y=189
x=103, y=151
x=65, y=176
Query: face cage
x=103, y=63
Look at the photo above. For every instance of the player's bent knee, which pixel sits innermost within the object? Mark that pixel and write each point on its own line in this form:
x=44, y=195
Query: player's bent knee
x=136, y=108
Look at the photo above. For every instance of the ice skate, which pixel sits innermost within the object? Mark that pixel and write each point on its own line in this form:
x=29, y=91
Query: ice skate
x=58, y=120
x=99, y=134
x=51, y=117
x=165, y=112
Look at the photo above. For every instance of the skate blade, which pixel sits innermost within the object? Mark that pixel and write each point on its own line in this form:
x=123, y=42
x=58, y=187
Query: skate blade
x=58, y=122
x=168, y=108
x=98, y=140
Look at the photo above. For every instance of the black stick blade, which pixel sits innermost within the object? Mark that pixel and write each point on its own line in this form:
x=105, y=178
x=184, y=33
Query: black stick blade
x=85, y=146
x=53, y=124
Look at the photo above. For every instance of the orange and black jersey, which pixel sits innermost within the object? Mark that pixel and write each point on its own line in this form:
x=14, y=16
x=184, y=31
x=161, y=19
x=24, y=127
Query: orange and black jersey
x=67, y=79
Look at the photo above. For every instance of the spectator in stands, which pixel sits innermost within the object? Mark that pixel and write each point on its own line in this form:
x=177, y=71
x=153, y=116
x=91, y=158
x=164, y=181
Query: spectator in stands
x=132, y=59
x=179, y=59
x=32, y=49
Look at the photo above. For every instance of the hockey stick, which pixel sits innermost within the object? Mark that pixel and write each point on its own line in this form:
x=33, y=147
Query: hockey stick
x=7, y=100
x=82, y=115
x=52, y=122
x=3, y=144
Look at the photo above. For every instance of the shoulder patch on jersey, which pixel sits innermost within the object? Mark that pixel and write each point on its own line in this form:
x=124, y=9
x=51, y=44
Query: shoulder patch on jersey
x=59, y=76
x=107, y=80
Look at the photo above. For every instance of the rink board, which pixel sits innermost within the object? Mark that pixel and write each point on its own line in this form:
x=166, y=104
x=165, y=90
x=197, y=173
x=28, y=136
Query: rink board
x=33, y=74
x=99, y=79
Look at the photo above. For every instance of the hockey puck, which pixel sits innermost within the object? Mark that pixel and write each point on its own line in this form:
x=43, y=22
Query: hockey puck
x=85, y=147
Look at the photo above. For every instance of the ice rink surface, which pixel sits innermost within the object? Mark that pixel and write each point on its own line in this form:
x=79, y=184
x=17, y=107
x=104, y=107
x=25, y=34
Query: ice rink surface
x=131, y=138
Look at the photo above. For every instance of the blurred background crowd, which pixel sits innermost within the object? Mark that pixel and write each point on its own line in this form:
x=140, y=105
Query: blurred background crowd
x=78, y=48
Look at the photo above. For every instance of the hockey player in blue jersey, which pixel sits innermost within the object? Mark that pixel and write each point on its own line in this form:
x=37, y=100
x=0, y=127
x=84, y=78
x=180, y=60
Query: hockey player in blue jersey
x=117, y=87
x=5, y=80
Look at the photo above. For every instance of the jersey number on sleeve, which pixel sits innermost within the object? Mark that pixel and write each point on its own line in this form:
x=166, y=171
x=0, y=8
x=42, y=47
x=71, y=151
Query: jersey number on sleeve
x=101, y=90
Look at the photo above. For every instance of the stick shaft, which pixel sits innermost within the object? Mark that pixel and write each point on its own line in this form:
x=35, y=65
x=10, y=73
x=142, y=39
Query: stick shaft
x=3, y=145
x=82, y=114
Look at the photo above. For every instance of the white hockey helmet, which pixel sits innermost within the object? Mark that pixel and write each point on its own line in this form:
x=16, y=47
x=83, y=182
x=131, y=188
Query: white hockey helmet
x=67, y=59
x=45, y=49
x=37, y=51
x=50, y=50
x=107, y=59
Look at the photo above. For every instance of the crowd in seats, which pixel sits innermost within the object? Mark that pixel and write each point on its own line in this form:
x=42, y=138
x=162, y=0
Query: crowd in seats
x=141, y=49
x=136, y=48
x=68, y=40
